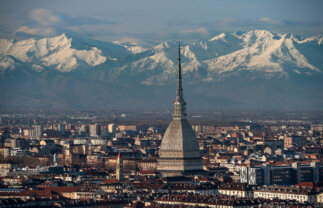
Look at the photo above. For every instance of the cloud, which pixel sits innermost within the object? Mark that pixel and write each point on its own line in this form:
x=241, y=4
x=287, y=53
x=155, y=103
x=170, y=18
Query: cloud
x=127, y=40
x=200, y=30
x=226, y=22
x=83, y=20
x=36, y=31
x=44, y=22
x=232, y=25
x=44, y=17
x=178, y=23
x=271, y=21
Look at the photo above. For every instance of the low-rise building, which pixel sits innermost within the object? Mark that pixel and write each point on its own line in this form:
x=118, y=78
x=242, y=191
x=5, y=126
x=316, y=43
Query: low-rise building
x=214, y=201
x=235, y=189
x=286, y=193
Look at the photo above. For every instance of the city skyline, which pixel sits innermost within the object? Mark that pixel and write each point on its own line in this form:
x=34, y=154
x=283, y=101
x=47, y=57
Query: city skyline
x=82, y=160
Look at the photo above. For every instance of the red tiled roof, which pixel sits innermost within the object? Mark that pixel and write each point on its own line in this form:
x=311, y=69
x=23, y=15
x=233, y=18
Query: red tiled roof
x=109, y=181
x=282, y=163
x=147, y=172
x=44, y=184
x=310, y=184
x=61, y=189
x=203, y=179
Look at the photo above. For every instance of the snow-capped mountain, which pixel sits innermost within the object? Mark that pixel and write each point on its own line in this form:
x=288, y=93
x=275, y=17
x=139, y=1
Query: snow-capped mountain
x=56, y=51
x=223, y=55
x=132, y=46
x=257, y=50
x=263, y=51
x=218, y=70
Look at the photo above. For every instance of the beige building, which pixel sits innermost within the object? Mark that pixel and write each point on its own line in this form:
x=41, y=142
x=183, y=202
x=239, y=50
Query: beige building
x=127, y=127
x=286, y=193
x=319, y=198
x=236, y=189
x=4, y=151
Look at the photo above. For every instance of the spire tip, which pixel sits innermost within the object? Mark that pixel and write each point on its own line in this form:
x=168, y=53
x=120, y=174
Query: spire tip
x=179, y=105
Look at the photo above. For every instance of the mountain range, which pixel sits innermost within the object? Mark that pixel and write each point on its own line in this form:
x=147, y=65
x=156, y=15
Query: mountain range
x=255, y=71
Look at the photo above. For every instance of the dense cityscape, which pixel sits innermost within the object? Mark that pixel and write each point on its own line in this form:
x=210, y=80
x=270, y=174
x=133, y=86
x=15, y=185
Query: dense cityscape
x=85, y=160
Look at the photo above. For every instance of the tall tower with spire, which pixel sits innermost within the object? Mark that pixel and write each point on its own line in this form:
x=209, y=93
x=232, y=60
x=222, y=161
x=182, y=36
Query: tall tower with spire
x=179, y=151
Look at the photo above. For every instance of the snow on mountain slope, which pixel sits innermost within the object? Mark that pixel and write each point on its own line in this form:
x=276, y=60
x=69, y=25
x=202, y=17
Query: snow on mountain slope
x=132, y=46
x=163, y=62
x=153, y=61
x=56, y=51
x=193, y=63
x=254, y=51
x=221, y=36
x=310, y=39
x=136, y=49
x=163, y=45
x=158, y=64
x=262, y=51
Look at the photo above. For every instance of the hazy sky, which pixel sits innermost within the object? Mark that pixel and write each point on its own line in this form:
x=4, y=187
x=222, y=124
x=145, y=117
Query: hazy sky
x=149, y=19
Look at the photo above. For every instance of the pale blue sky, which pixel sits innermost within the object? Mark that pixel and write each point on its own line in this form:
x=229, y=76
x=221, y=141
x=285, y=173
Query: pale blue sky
x=167, y=19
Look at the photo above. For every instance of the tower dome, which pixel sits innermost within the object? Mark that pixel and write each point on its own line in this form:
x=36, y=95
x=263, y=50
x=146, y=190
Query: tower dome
x=179, y=151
